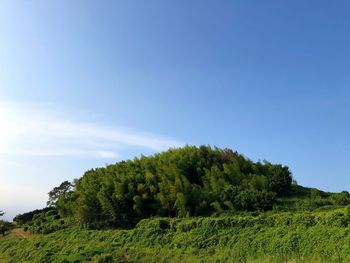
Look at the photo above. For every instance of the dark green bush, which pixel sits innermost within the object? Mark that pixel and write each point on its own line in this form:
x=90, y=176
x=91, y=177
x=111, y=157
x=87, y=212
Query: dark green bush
x=45, y=222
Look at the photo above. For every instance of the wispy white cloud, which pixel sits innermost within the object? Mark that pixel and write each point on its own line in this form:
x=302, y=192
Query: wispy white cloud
x=40, y=130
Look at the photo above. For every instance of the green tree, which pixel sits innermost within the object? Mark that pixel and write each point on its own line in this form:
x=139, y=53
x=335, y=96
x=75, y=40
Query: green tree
x=60, y=191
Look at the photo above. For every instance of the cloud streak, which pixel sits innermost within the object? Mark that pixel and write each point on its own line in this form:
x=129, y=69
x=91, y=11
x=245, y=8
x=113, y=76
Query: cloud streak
x=40, y=130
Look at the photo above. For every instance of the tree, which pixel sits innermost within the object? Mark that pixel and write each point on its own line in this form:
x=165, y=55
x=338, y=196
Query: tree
x=61, y=191
x=5, y=226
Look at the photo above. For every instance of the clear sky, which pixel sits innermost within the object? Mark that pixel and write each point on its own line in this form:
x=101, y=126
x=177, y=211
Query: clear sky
x=85, y=83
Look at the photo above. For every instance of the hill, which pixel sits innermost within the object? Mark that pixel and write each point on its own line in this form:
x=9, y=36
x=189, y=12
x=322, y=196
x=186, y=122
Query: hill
x=197, y=204
x=188, y=181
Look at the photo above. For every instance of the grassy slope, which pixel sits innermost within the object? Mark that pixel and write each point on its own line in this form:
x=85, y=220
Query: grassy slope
x=268, y=237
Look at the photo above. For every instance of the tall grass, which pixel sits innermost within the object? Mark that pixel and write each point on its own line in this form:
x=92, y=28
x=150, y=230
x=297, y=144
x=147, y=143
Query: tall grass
x=267, y=237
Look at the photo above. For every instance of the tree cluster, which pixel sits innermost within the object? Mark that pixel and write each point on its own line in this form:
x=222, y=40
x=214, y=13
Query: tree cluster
x=188, y=181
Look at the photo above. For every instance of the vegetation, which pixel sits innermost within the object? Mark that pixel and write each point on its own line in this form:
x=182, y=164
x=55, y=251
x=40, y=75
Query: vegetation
x=183, y=182
x=245, y=237
x=192, y=204
x=5, y=226
x=43, y=221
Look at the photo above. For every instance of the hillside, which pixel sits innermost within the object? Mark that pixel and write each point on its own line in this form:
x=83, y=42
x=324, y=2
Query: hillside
x=191, y=204
x=188, y=181
x=265, y=237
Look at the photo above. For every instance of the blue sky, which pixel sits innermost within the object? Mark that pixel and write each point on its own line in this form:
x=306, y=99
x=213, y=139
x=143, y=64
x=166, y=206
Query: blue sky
x=85, y=83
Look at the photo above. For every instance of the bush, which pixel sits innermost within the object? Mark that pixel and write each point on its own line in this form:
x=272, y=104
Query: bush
x=44, y=222
x=5, y=227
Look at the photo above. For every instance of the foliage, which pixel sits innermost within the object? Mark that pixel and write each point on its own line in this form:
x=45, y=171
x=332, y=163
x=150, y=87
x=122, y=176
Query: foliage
x=27, y=217
x=192, y=204
x=188, y=181
x=245, y=237
x=5, y=227
x=62, y=191
x=42, y=221
x=311, y=199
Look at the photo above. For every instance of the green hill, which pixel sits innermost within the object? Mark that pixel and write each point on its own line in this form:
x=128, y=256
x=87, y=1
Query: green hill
x=191, y=204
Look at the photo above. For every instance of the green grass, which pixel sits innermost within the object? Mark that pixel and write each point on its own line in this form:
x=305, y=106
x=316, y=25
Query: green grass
x=267, y=237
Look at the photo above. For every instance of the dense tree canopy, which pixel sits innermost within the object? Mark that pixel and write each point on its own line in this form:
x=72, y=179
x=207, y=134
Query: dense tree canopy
x=188, y=181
